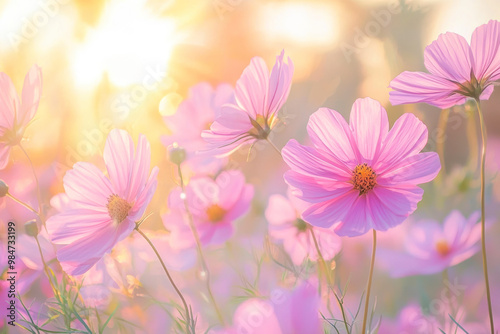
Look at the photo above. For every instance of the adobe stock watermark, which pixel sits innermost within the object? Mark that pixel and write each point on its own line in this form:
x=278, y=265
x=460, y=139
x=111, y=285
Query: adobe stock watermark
x=439, y=307
x=48, y=9
x=380, y=19
x=222, y=7
x=454, y=121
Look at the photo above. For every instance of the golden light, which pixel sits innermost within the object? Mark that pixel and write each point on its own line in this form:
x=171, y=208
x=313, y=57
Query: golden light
x=129, y=40
x=305, y=23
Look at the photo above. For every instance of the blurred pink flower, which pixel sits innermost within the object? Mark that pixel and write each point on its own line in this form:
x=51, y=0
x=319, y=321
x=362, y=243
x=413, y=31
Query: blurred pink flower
x=16, y=115
x=360, y=176
x=411, y=320
x=432, y=247
x=295, y=312
x=195, y=114
x=286, y=225
x=259, y=97
x=457, y=70
x=213, y=204
x=103, y=210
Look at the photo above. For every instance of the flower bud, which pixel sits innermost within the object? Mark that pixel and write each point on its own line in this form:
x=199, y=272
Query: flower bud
x=31, y=228
x=4, y=188
x=176, y=154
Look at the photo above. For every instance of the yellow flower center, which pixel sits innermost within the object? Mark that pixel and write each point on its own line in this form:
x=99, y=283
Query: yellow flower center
x=215, y=213
x=364, y=178
x=118, y=208
x=442, y=247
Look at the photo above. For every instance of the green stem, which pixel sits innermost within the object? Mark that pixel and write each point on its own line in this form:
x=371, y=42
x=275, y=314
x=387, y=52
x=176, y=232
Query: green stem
x=369, y=283
x=45, y=267
x=443, y=120
x=483, y=212
x=38, y=194
x=27, y=206
x=274, y=146
x=204, y=265
x=186, y=308
x=329, y=280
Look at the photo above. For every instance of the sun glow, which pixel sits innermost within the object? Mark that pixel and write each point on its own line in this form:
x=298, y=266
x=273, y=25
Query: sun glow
x=303, y=23
x=129, y=41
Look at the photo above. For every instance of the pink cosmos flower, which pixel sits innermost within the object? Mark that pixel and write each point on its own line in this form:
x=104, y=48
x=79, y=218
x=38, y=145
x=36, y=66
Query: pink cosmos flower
x=457, y=70
x=432, y=247
x=16, y=115
x=195, y=114
x=285, y=225
x=360, y=176
x=213, y=204
x=103, y=209
x=259, y=97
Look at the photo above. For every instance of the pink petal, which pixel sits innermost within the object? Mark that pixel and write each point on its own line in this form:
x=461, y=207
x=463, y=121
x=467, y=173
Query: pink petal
x=86, y=185
x=32, y=92
x=229, y=131
x=369, y=124
x=389, y=207
x=407, y=137
x=449, y=57
x=118, y=155
x=72, y=225
x=356, y=219
x=139, y=169
x=330, y=133
x=331, y=211
x=417, y=169
x=145, y=196
x=418, y=87
x=252, y=87
x=313, y=189
x=485, y=95
x=311, y=162
x=79, y=256
x=4, y=155
x=9, y=102
x=242, y=205
x=485, y=45
x=226, y=189
x=280, y=211
x=279, y=84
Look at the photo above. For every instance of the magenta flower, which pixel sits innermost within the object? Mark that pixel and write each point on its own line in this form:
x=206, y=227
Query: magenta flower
x=432, y=247
x=103, y=209
x=195, y=114
x=16, y=115
x=213, y=204
x=457, y=70
x=259, y=97
x=360, y=176
x=285, y=225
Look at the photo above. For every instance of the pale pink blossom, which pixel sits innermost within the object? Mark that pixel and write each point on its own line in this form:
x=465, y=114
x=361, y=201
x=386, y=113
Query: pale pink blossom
x=194, y=115
x=286, y=312
x=259, y=97
x=432, y=247
x=457, y=70
x=214, y=205
x=360, y=176
x=103, y=209
x=16, y=113
x=287, y=226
